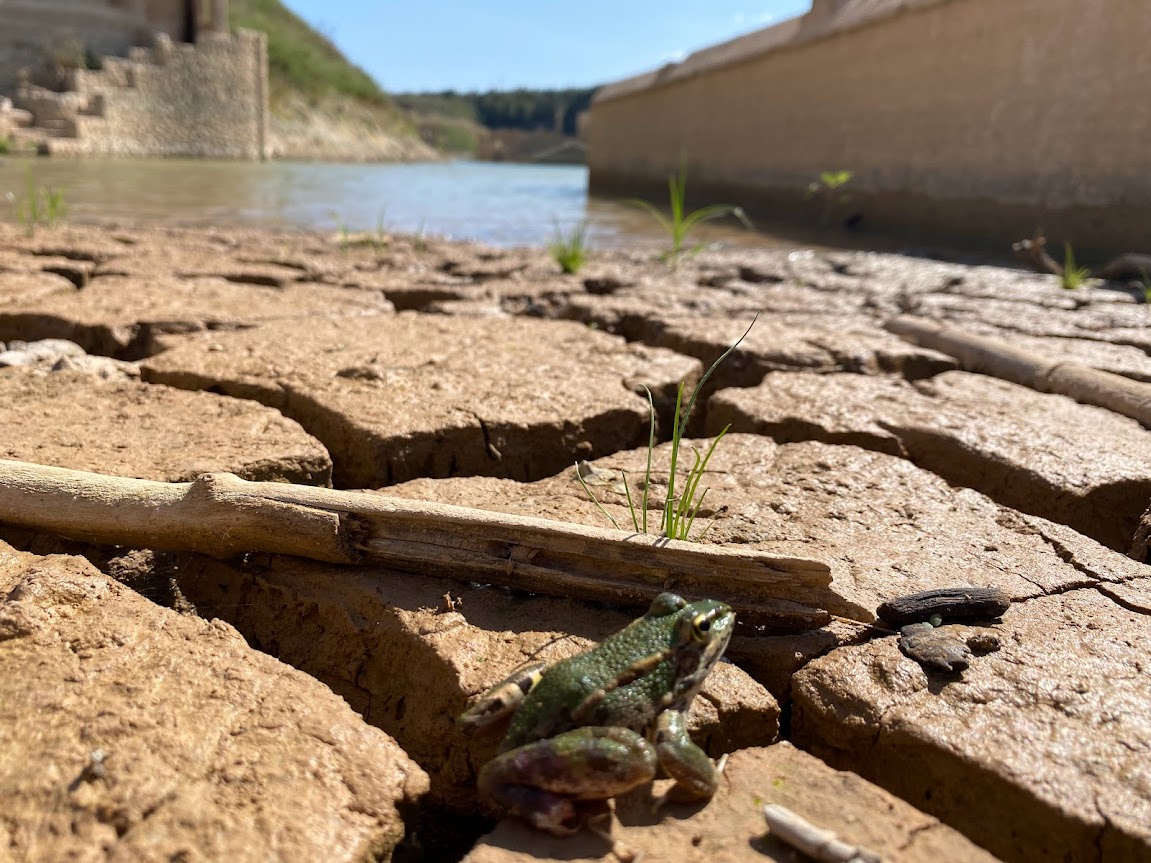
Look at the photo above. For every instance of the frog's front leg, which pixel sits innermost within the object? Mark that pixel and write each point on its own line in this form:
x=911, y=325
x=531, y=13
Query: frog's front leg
x=695, y=774
x=539, y=781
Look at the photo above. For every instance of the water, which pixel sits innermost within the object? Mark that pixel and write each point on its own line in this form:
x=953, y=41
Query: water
x=499, y=204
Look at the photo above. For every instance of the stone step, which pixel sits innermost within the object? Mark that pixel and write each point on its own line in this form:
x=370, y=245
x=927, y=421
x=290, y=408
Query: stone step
x=27, y=138
x=97, y=106
x=19, y=118
x=52, y=146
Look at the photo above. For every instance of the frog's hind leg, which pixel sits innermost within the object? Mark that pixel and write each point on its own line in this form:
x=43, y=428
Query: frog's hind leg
x=696, y=775
x=541, y=780
x=501, y=700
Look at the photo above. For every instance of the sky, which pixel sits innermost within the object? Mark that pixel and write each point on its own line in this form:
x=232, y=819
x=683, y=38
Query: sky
x=503, y=44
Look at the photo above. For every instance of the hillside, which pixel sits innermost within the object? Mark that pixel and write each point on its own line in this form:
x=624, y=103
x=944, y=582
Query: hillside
x=323, y=106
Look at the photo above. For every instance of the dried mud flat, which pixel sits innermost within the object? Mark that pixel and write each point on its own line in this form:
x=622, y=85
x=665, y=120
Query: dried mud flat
x=158, y=705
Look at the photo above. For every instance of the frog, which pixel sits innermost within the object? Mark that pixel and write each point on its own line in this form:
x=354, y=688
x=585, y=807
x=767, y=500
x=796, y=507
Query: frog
x=598, y=724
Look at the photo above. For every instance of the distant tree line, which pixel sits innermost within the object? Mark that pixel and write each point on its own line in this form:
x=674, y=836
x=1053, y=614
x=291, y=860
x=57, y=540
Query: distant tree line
x=529, y=110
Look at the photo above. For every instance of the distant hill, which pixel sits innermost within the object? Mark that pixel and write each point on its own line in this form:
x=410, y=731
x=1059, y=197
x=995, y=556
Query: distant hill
x=527, y=110
x=323, y=106
x=497, y=121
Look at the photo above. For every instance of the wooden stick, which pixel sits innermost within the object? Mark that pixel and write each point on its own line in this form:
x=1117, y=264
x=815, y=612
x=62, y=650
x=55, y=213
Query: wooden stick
x=815, y=842
x=223, y=515
x=992, y=357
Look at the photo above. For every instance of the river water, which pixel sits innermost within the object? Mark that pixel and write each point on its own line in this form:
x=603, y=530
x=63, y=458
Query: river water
x=499, y=204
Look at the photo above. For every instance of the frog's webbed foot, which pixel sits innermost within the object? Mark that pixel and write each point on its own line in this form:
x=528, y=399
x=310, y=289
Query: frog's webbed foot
x=541, y=781
x=696, y=775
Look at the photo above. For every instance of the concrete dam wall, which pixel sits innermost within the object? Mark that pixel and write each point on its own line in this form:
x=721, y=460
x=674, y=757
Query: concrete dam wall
x=974, y=119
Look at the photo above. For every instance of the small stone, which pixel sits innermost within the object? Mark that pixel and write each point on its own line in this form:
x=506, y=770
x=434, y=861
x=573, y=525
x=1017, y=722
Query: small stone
x=30, y=353
x=933, y=649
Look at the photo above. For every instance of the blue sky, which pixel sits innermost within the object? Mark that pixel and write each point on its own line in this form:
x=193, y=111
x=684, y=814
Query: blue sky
x=503, y=44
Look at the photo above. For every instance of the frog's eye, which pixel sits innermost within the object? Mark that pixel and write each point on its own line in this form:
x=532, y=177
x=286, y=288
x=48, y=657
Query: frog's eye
x=701, y=626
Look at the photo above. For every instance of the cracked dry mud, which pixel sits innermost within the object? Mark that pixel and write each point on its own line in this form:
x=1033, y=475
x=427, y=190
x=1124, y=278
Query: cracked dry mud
x=397, y=397
x=1022, y=448
x=279, y=356
x=131, y=732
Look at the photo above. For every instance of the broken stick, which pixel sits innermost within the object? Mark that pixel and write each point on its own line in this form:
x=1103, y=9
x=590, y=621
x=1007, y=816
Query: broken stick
x=222, y=515
x=999, y=359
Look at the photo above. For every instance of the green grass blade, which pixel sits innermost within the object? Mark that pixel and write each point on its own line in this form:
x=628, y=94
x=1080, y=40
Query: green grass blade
x=714, y=366
x=677, y=191
x=650, y=450
x=702, y=468
x=676, y=434
x=630, y=504
x=696, y=475
x=599, y=505
x=708, y=213
x=689, y=483
x=694, y=513
x=652, y=211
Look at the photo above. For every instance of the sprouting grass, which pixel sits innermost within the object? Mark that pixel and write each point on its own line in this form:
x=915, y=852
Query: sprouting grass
x=1145, y=281
x=680, y=222
x=570, y=250
x=1074, y=277
x=40, y=206
x=679, y=509
x=830, y=187
x=341, y=228
x=5, y=146
x=377, y=240
x=380, y=241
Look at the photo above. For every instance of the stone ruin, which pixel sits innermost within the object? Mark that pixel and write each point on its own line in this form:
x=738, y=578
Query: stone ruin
x=131, y=78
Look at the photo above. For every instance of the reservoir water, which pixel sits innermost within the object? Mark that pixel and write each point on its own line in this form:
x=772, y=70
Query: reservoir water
x=496, y=203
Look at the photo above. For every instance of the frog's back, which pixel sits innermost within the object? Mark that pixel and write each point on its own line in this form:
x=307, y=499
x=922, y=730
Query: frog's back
x=548, y=708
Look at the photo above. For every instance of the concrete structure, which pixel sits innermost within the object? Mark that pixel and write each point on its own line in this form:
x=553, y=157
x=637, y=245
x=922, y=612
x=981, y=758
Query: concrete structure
x=969, y=119
x=132, y=77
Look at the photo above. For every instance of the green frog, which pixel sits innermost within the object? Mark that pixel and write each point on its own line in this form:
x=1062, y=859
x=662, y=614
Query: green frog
x=598, y=724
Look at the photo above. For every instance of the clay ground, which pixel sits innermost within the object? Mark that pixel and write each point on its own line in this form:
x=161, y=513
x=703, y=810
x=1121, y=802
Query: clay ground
x=159, y=706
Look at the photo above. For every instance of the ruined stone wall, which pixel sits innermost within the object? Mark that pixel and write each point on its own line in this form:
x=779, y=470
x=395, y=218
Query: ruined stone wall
x=208, y=99
x=204, y=100
x=974, y=118
x=32, y=30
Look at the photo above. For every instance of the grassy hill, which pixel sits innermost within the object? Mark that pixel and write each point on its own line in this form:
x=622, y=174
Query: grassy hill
x=322, y=104
x=301, y=60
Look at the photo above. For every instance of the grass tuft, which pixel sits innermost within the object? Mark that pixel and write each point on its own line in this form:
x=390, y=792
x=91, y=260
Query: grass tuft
x=830, y=187
x=681, y=222
x=679, y=512
x=1073, y=277
x=40, y=206
x=570, y=250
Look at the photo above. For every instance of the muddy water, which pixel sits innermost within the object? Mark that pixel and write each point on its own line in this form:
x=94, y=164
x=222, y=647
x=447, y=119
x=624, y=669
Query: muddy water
x=501, y=204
